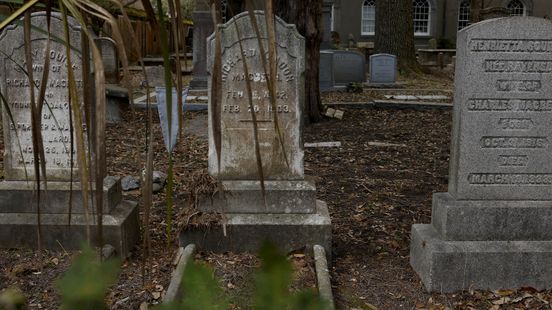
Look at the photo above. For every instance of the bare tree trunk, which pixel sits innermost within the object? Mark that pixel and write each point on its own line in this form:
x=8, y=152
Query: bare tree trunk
x=395, y=32
x=475, y=10
x=307, y=16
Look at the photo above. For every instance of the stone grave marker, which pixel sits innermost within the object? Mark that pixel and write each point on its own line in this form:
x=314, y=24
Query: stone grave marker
x=326, y=74
x=289, y=213
x=383, y=69
x=17, y=192
x=492, y=229
x=110, y=59
x=348, y=67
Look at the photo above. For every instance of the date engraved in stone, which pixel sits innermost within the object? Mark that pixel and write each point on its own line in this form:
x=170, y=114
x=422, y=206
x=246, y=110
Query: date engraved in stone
x=510, y=179
x=506, y=142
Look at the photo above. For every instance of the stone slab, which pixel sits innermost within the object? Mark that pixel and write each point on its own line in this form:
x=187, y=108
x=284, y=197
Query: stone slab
x=15, y=87
x=448, y=266
x=464, y=220
x=281, y=197
x=120, y=229
x=18, y=197
x=247, y=232
x=502, y=138
x=237, y=156
x=326, y=73
x=349, y=67
x=383, y=69
x=203, y=27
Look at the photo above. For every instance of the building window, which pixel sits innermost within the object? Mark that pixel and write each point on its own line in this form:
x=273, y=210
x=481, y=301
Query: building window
x=463, y=14
x=369, y=17
x=332, y=19
x=421, y=17
x=516, y=8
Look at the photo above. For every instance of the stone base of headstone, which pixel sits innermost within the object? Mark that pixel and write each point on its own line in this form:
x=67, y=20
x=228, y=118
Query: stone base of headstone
x=116, y=102
x=248, y=231
x=246, y=197
x=483, y=245
x=198, y=83
x=18, y=217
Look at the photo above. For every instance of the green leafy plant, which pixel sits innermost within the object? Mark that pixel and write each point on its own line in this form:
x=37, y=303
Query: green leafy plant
x=85, y=284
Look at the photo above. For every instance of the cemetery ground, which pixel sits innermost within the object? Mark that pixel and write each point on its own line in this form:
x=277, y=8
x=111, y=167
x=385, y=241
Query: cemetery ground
x=377, y=184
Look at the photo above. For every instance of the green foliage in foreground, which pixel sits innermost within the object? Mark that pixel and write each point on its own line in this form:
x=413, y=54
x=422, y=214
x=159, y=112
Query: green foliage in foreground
x=272, y=281
x=85, y=284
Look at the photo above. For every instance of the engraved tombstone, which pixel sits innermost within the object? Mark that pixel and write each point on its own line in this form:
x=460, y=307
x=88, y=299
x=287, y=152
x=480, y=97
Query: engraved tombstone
x=492, y=229
x=348, y=67
x=17, y=191
x=289, y=199
x=383, y=69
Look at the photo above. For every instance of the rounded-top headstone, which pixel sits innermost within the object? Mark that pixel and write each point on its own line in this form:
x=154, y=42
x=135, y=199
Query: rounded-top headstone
x=238, y=159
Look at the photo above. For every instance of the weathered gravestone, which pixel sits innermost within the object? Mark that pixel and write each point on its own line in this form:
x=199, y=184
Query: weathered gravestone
x=493, y=228
x=291, y=215
x=383, y=69
x=17, y=192
x=203, y=27
x=110, y=59
x=325, y=71
x=349, y=67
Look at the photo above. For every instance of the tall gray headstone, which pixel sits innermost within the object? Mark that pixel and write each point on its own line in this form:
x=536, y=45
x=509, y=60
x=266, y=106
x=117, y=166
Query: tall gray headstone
x=383, y=69
x=15, y=87
x=17, y=192
x=251, y=214
x=349, y=67
x=203, y=27
x=492, y=230
x=325, y=71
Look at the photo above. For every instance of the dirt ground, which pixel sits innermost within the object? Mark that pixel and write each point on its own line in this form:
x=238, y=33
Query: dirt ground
x=374, y=192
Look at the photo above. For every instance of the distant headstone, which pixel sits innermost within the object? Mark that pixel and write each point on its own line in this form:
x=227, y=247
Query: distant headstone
x=326, y=73
x=18, y=216
x=110, y=59
x=383, y=69
x=203, y=27
x=492, y=229
x=287, y=212
x=327, y=24
x=348, y=67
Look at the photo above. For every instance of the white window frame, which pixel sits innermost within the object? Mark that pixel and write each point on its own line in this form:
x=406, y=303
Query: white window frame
x=463, y=14
x=332, y=18
x=428, y=32
x=368, y=5
x=524, y=13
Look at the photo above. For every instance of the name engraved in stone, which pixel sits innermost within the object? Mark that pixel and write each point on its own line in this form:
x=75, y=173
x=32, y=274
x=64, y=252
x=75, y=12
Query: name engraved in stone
x=510, y=179
x=506, y=142
x=518, y=85
x=58, y=83
x=510, y=46
x=517, y=66
x=515, y=123
x=509, y=105
x=513, y=160
x=232, y=61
